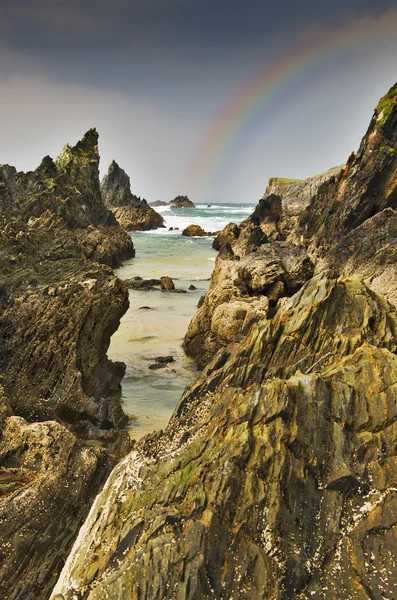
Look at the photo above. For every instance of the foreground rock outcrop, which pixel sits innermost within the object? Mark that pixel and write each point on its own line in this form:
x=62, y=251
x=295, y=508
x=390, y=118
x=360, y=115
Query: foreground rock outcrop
x=59, y=305
x=131, y=212
x=274, y=479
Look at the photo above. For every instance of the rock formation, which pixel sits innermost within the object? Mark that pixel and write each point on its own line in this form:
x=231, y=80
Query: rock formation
x=296, y=194
x=275, y=477
x=158, y=203
x=197, y=231
x=181, y=202
x=131, y=212
x=59, y=305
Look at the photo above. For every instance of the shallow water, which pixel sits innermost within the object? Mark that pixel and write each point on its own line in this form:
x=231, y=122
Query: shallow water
x=156, y=322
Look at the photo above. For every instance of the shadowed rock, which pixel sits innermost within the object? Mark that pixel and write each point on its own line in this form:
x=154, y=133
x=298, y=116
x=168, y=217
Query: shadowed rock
x=130, y=211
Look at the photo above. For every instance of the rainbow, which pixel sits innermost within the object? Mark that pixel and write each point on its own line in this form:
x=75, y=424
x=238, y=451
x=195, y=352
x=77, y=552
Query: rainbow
x=252, y=98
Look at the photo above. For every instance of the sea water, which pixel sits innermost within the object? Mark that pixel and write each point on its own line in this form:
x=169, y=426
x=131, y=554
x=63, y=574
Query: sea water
x=156, y=322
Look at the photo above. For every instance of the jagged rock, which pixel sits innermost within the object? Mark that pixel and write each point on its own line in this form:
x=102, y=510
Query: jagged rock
x=167, y=284
x=256, y=279
x=181, y=202
x=58, y=310
x=164, y=359
x=227, y=236
x=131, y=212
x=275, y=477
x=366, y=188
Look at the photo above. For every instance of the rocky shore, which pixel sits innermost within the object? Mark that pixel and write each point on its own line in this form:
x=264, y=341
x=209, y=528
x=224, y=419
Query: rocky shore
x=59, y=305
x=275, y=477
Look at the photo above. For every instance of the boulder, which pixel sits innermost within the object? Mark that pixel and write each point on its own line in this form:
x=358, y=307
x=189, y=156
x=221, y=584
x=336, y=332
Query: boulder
x=167, y=284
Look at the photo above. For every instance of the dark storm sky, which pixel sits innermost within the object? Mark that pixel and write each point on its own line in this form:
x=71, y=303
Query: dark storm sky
x=154, y=76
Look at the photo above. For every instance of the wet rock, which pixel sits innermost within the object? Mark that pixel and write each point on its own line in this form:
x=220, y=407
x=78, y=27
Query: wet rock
x=196, y=231
x=164, y=359
x=192, y=287
x=137, y=283
x=145, y=308
x=167, y=284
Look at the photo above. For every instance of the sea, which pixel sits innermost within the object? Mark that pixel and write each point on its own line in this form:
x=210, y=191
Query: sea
x=156, y=322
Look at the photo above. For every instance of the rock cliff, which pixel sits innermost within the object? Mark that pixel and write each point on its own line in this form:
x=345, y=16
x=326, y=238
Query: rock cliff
x=276, y=476
x=296, y=194
x=59, y=305
x=131, y=212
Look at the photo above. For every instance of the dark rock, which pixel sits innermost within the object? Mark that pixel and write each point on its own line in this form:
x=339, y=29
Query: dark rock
x=164, y=359
x=145, y=308
x=59, y=308
x=228, y=235
x=201, y=301
x=192, y=287
x=137, y=283
x=181, y=202
x=131, y=212
x=158, y=203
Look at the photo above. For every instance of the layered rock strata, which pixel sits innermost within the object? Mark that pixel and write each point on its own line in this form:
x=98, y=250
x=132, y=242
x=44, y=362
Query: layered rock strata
x=275, y=477
x=131, y=212
x=59, y=305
